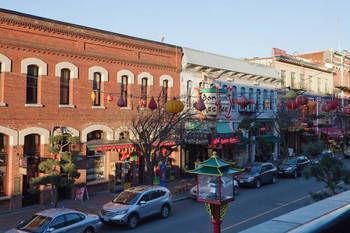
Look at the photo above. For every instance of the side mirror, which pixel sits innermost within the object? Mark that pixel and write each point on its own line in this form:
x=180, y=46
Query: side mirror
x=50, y=230
x=20, y=223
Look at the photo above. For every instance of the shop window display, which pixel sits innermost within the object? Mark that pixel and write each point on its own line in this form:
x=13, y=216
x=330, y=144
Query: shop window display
x=95, y=167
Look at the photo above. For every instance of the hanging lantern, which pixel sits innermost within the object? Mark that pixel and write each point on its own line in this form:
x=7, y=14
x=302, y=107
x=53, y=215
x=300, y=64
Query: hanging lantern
x=301, y=100
x=108, y=98
x=311, y=105
x=93, y=96
x=333, y=104
x=290, y=94
x=174, y=106
x=152, y=104
x=304, y=109
x=243, y=102
x=292, y=105
x=346, y=109
x=326, y=107
x=267, y=104
x=199, y=105
x=121, y=102
x=251, y=101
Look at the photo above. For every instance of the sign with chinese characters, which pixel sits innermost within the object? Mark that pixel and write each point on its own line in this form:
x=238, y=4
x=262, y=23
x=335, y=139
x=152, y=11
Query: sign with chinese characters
x=215, y=102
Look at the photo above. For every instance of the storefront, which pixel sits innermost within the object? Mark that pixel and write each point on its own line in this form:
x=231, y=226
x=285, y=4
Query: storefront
x=3, y=163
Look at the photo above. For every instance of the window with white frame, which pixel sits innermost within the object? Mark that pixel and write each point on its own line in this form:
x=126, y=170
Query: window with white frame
x=96, y=88
x=64, y=86
x=32, y=84
x=189, y=93
x=144, y=83
x=124, y=89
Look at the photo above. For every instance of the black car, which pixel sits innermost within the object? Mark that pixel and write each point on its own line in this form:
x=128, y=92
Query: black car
x=258, y=174
x=324, y=154
x=293, y=167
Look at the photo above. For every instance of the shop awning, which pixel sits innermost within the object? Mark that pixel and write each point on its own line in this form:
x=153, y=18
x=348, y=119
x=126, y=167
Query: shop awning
x=268, y=138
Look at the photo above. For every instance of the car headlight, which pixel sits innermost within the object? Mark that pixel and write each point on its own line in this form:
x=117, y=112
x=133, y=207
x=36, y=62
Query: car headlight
x=120, y=212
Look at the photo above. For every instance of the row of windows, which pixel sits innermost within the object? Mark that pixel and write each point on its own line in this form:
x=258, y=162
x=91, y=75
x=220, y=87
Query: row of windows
x=268, y=96
x=32, y=84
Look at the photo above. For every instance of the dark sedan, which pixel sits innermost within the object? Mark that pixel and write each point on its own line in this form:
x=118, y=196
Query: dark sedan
x=258, y=174
x=293, y=167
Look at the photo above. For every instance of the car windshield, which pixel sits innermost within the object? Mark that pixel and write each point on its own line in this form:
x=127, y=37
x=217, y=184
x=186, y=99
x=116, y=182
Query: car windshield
x=36, y=224
x=290, y=162
x=254, y=169
x=127, y=198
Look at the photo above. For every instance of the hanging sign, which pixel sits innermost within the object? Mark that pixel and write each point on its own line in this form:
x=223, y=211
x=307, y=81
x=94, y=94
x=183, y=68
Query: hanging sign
x=215, y=101
x=224, y=140
x=114, y=147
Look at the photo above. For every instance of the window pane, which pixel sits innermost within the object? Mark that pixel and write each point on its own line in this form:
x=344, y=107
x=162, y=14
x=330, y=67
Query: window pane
x=189, y=93
x=165, y=91
x=3, y=163
x=72, y=218
x=96, y=87
x=58, y=222
x=64, y=86
x=144, y=91
x=124, y=89
x=32, y=84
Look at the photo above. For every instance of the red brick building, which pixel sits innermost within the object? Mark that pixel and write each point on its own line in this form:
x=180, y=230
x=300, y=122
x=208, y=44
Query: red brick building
x=48, y=72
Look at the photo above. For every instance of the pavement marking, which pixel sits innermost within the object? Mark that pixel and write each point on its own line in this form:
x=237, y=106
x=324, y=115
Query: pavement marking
x=264, y=213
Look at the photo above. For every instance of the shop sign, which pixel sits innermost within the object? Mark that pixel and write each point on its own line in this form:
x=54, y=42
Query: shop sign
x=224, y=140
x=114, y=147
x=211, y=98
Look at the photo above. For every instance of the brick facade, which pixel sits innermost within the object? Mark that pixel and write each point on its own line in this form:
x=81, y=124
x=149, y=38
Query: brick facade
x=52, y=45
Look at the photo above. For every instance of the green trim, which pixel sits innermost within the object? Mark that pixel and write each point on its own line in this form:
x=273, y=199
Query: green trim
x=212, y=90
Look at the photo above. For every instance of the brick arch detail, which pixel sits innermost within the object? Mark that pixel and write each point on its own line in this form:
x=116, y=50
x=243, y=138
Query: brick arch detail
x=44, y=134
x=89, y=129
x=66, y=65
x=145, y=75
x=121, y=73
x=13, y=135
x=166, y=77
x=100, y=69
x=5, y=63
x=122, y=129
x=34, y=61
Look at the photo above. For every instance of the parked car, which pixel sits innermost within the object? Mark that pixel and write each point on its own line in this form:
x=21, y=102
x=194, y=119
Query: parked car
x=258, y=174
x=227, y=184
x=59, y=220
x=134, y=204
x=293, y=167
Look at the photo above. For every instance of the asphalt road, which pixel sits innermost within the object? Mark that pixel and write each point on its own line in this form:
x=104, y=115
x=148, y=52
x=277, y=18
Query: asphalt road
x=251, y=207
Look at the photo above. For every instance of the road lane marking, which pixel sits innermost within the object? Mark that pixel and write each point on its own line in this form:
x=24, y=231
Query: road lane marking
x=264, y=213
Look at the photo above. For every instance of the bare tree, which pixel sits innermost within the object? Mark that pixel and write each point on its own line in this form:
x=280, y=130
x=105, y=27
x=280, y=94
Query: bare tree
x=151, y=129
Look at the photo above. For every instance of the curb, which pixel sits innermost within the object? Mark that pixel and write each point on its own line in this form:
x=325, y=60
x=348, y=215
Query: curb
x=181, y=198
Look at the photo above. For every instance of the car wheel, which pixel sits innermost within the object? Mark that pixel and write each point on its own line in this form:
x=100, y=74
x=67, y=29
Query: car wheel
x=257, y=183
x=89, y=230
x=273, y=180
x=295, y=174
x=165, y=211
x=133, y=220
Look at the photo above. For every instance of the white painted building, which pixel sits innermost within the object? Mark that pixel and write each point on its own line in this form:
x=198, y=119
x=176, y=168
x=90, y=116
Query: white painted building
x=257, y=83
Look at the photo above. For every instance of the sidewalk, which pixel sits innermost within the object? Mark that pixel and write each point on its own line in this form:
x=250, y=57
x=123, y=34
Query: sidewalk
x=8, y=220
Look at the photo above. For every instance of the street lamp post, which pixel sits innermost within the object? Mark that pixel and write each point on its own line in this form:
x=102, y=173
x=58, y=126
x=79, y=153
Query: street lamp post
x=210, y=175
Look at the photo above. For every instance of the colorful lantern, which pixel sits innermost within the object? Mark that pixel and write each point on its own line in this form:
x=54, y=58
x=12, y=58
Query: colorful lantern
x=326, y=107
x=199, y=104
x=346, y=109
x=311, y=105
x=152, y=104
x=243, y=102
x=301, y=100
x=121, y=102
x=108, y=98
x=174, y=106
x=333, y=104
x=93, y=96
x=252, y=101
x=291, y=104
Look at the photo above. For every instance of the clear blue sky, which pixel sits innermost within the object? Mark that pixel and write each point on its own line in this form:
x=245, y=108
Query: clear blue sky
x=236, y=28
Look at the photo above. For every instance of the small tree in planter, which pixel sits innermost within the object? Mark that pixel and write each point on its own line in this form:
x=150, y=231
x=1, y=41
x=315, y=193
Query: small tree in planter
x=60, y=171
x=331, y=172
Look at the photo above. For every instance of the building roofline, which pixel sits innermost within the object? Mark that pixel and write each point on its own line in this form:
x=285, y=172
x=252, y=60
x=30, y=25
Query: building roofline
x=2, y=10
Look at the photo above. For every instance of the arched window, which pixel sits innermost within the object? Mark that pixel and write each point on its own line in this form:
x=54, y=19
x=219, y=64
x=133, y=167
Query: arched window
x=258, y=99
x=272, y=100
x=3, y=162
x=189, y=92
x=32, y=84
x=165, y=90
x=144, y=82
x=96, y=88
x=234, y=95
x=250, y=97
x=64, y=86
x=265, y=100
x=124, y=89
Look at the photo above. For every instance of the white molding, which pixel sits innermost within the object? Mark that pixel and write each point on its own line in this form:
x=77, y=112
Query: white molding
x=145, y=75
x=74, y=132
x=105, y=129
x=5, y=63
x=33, y=61
x=66, y=65
x=44, y=134
x=131, y=77
x=120, y=129
x=13, y=135
x=166, y=77
x=100, y=69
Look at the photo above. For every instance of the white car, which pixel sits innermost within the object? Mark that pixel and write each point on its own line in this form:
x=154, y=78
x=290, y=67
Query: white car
x=226, y=185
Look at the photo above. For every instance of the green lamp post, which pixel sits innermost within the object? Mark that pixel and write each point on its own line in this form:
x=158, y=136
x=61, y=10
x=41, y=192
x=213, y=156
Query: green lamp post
x=215, y=187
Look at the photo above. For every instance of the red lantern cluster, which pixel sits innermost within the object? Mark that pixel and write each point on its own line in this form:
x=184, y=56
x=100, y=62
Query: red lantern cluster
x=292, y=104
x=301, y=100
x=243, y=102
x=330, y=106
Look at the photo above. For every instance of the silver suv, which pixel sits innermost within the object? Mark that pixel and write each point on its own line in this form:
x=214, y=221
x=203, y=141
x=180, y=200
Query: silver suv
x=134, y=204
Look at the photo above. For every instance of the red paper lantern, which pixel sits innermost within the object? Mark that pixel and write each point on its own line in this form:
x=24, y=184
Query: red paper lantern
x=333, y=104
x=108, y=98
x=301, y=100
x=243, y=102
x=346, y=109
x=326, y=107
x=291, y=104
x=199, y=104
x=252, y=101
x=152, y=104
